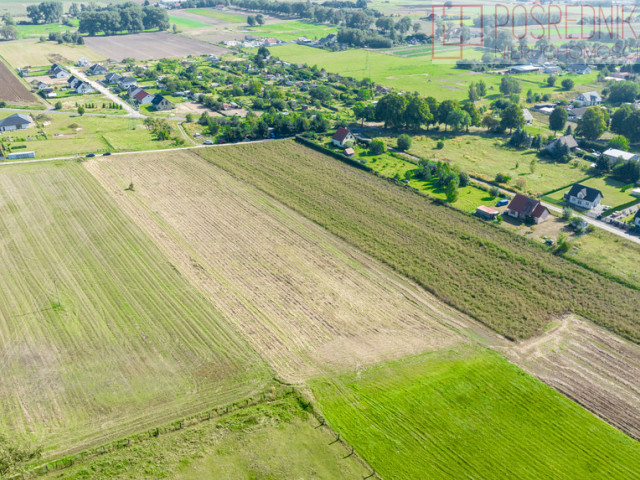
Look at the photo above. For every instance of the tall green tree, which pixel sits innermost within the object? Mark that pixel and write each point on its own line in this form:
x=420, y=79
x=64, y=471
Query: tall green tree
x=592, y=124
x=512, y=117
x=390, y=110
x=558, y=119
x=417, y=112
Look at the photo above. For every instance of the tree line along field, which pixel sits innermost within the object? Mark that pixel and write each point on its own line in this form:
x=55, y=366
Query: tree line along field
x=505, y=281
x=100, y=337
x=468, y=413
x=305, y=300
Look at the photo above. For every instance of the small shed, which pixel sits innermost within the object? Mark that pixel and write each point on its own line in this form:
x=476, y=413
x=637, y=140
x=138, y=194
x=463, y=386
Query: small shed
x=349, y=152
x=487, y=213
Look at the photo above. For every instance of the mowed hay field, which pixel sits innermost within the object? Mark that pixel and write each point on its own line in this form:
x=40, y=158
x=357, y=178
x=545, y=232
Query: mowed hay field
x=506, y=281
x=307, y=301
x=468, y=413
x=12, y=90
x=31, y=52
x=130, y=346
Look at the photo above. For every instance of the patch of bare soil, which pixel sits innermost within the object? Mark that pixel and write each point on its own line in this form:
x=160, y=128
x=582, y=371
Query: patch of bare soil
x=590, y=365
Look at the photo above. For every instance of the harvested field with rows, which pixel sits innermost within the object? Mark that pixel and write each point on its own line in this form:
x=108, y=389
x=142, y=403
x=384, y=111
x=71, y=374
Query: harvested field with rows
x=150, y=46
x=307, y=301
x=12, y=90
x=100, y=337
x=507, y=282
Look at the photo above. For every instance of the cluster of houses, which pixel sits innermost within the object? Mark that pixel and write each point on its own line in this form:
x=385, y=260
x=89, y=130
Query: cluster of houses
x=137, y=94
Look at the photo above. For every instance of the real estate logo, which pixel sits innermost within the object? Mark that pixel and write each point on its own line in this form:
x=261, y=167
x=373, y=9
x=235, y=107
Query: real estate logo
x=534, y=33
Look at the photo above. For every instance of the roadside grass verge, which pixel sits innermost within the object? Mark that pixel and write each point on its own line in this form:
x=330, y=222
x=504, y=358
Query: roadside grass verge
x=503, y=280
x=451, y=413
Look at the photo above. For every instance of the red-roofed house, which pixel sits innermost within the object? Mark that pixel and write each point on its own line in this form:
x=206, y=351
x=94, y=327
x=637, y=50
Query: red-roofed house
x=142, y=97
x=525, y=208
x=342, y=137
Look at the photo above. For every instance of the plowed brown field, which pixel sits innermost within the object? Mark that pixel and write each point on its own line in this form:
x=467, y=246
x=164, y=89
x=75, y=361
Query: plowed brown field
x=304, y=299
x=11, y=88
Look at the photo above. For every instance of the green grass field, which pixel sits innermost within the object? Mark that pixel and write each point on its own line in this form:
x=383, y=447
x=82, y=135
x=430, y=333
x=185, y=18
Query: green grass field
x=273, y=440
x=418, y=74
x=470, y=414
x=292, y=30
x=217, y=14
x=31, y=52
x=183, y=22
x=95, y=135
x=485, y=156
x=443, y=250
x=25, y=31
x=100, y=336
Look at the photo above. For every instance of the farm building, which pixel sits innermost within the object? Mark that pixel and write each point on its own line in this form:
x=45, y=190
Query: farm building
x=525, y=208
x=161, y=103
x=580, y=69
x=582, y=196
x=551, y=69
x=487, y=213
x=19, y=155
x=342, y=137
x=17, y=121
x=524, y=68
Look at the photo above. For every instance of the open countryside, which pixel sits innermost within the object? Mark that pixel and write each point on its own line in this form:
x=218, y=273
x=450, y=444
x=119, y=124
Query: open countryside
x=287, y=240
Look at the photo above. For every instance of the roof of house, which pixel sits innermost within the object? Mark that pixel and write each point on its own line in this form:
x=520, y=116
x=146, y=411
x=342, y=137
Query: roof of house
x=127, y=80
x=15, y=119
x=349, y=151
x=590, y=194
x=637, y=215
x=567, y=140
x=158, y=99
x=141, y=94
x=577, y=112
x=590, y=96
x=620, y=154
x=577, y=67
x=527, y=115
x=539, y=210
x=341, y=134
x=526, y=205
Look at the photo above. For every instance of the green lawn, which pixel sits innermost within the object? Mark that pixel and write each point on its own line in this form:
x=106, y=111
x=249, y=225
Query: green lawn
x=219, y=15
x=293, y=30
x=69, y=135
x=25, y=31
x=611, y=190
x=484, y=156
x=274, y=440
x=418, y=74
x=187, y=22
x=469, y=413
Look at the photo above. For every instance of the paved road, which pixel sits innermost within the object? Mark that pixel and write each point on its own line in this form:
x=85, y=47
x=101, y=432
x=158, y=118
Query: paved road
x=105, y=91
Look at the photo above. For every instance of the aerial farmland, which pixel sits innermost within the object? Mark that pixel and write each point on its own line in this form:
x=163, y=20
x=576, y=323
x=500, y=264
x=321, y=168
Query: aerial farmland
x=296, y=240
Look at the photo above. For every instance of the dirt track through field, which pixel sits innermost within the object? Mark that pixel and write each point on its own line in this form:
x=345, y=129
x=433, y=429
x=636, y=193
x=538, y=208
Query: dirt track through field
x=593, y=367
x=304, y=299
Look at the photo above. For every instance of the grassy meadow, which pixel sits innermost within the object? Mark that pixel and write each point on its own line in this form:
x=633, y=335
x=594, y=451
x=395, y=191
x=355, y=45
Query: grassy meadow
x=275, y=439
x=613, y=191
x=218, y=15
x=288, y=31
x=522, y=286
x=31, y=52
x=468, y=413
x=100, y=336
x=419, y=74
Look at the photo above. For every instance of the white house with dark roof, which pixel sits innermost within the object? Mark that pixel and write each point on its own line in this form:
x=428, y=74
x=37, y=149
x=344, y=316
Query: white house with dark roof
x=583, y=196
x=96, y=69
x=589, y=99
x=17, y=121
x=57, y=71
x=342, y=137
x=84, y=87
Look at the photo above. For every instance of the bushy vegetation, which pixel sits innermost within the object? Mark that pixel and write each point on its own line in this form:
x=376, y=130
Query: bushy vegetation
x=128, y=17
x=503, y=280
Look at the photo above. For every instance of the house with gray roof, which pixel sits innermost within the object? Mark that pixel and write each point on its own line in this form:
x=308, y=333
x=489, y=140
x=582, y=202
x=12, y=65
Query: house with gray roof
x=17, y=121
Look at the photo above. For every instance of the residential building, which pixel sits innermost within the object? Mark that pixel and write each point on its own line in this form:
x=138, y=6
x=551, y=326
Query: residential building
x=528, y=118
x=527, y=209
x=17, y=121
x=615, y=155
x=127, y=82
x=112, y=78
x=141, y=96
x=96, y=69
x=83, y=62
x=161, y=103
x=589, y=99
x=58, y=72
x=579, y=69
x=583, y=196
x=567, y=140
x=84, y=87
x=73, y=81
x=342, y=137
x=576, y=114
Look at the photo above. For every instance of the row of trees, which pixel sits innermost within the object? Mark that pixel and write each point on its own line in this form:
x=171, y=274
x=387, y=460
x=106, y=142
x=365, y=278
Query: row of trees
x=129, y=17
x=45, y=12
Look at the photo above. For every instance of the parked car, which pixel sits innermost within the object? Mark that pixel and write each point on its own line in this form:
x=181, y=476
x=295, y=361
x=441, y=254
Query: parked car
x=208, y=142
x=502, y=202
x=91, y=155
x=105, y=154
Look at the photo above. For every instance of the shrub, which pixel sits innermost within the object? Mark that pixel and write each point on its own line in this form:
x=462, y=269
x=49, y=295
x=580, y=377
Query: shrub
x=494, y=192
x=440, y=145
x=404, y=142
x=377, y=147
x=567, y=213
x=567, y=84
x=502, y=178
